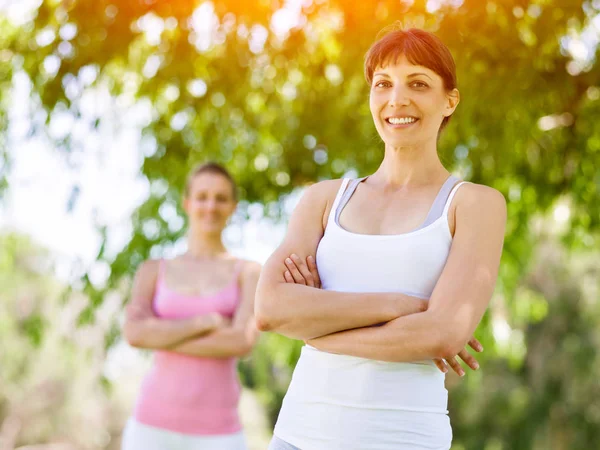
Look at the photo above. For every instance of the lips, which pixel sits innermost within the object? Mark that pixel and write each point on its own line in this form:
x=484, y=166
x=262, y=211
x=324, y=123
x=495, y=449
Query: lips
x=401, y=120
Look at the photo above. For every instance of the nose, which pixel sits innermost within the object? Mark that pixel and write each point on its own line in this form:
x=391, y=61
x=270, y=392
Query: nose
x=399, y=96
x=211, y=204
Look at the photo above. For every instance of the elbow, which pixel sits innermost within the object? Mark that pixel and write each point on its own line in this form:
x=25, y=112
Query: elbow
x=133, y=335
x=244, y=350
x=262, y=317
x=265, y=313
x=271, y=320
x=263, y=324
x=245, y=342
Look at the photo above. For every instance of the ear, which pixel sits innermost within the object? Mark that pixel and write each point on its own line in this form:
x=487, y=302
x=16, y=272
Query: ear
x=185, y=202
x=234, y=208
x=452, y=101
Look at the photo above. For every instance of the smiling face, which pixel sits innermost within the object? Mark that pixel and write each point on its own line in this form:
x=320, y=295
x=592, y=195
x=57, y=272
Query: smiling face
x=412, y=77
x=409, y=102
x=209, y=202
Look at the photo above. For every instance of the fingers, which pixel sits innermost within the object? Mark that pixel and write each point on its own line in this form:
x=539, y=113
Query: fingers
x=215, y=320
x=455, y=365
x=288, y=277
x=299, y=271
x=441, y=364
x=312, y=266
x=304, y=270
x=465, y=356
x=475, y=345
x=469, y=359
x=294, y=271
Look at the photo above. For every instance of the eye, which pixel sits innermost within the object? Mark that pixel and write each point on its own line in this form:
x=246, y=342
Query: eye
x=419, y=84
x=382, y=83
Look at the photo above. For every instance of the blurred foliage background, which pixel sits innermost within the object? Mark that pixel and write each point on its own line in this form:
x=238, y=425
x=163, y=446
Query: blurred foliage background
x=275, y=90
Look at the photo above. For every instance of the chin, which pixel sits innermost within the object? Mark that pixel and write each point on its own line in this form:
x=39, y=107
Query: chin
x=394, y=143
x=210, y=228
x=214, y=228
x=404, y=141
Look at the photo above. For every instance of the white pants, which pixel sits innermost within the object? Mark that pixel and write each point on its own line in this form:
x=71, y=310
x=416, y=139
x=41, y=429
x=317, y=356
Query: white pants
x=138, y=436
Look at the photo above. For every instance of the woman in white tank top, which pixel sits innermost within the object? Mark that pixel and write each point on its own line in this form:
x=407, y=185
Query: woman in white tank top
x=410, y=249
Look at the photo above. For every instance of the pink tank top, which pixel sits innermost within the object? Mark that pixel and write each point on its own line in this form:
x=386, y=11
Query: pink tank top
x=189, y=394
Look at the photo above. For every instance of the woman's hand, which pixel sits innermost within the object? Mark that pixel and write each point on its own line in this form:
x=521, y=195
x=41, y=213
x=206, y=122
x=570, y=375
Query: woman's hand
x=306, y=273
x=465, y=356
x=207, y=323
x=302, y=272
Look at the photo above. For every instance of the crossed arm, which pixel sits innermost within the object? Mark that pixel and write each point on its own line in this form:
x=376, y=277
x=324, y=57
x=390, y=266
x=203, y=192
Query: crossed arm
x=440, y=330
x=306, y=273
x=302, y=312
x=209, y=335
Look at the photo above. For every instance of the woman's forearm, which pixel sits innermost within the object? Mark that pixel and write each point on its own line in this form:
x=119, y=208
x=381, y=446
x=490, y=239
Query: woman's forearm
x=225, y=342
x=416, y=337
x=302, y=312
x=156, y=333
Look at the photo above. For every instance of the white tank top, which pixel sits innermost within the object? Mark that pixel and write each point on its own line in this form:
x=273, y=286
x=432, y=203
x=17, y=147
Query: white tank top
x=346, y=402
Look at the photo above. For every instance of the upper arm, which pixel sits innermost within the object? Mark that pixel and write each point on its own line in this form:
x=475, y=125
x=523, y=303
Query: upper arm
x=305, y=230
x=245, y=311
x=464, y=289
x=142, y=292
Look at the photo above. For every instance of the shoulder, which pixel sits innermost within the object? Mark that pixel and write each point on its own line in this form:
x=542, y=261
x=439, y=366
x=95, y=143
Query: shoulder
x=249, y=266
x=144, y=282
x=249, y=269
x=249, y=274
x=315, y=203
x=319, y=198
x=323, y=190
x=472, y=196
x=149, y=268
x=479, y=206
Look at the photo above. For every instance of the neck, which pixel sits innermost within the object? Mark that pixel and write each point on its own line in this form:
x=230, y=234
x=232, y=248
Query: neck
x=205, y=246
x=410, y=166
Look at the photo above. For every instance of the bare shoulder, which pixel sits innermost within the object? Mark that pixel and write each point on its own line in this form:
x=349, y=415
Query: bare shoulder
x=321, y=196
x=480, y=199
x=149, y=268
x=307, y=223
x=250, y=269
x=142, y=292
x=324, y=190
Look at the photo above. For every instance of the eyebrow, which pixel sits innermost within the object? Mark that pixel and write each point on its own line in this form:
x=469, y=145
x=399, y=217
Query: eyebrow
x=412, y=75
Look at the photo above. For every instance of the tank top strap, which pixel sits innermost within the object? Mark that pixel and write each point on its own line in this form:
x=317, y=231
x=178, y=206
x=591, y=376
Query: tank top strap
x=437, y=207
x=451, y=196
x=160, y=278
x=346, y=197
x=237, y=269
x=338, y=197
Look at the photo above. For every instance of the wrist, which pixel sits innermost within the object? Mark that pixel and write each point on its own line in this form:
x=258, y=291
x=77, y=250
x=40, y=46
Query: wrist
x=405, y=304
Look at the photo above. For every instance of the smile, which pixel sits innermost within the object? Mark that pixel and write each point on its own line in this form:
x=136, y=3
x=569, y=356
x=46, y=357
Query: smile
x=405, y=120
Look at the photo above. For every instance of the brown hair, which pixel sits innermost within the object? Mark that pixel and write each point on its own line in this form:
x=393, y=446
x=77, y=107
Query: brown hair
x=420, y=48
x=214, y=168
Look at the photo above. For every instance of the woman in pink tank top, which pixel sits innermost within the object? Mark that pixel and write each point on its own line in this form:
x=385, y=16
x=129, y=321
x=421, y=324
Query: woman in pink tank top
x=196, y=313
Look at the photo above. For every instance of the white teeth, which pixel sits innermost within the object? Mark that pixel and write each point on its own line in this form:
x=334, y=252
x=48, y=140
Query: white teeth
x=401, y=120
